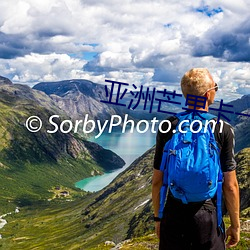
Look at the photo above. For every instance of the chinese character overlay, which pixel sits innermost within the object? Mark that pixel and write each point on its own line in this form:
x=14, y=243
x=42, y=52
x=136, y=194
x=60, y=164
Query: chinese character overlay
x=147, y=98
x=167, y=100
x=118, y=97
x=221, y=110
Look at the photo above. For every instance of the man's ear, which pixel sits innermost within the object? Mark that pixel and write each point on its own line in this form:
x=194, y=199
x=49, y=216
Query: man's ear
x=207, y=95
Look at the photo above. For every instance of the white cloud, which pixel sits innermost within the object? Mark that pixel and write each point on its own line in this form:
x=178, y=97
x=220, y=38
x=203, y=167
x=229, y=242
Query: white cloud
x=16, y=19
x=34, y=68
x=144, y=42
x=31, y=16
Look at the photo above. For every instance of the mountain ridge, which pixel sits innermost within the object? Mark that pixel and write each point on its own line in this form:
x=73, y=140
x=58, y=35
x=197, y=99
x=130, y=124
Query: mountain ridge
x=58, y=159
x=80, y=97
x=4, y=80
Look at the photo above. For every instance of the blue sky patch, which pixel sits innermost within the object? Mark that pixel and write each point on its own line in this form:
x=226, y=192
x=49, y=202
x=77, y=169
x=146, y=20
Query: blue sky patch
x=168, y=25
x=206, y=10
x=91, y=44
x=89, y=55
x=86, y=55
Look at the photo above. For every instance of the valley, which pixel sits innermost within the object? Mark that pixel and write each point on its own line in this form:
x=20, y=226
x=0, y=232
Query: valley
x=38, y=172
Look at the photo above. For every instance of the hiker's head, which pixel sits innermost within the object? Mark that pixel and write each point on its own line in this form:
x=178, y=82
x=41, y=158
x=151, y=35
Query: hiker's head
x=199, y=82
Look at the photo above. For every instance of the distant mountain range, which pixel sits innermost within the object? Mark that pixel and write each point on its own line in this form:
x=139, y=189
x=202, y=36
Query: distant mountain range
x=80, y=97
x=241, y=123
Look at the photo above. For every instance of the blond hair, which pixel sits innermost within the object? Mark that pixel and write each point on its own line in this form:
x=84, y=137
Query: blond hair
x=196, y=82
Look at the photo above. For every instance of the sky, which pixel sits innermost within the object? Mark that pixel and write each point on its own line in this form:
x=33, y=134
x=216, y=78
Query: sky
x=142, y=42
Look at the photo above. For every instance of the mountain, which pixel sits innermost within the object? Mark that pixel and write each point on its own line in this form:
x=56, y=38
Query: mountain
x=243, y=174
x=240, y=105
x=80, y=97
x=242, y=131
x=32, y=163
x=122, y=204
x=241, y=124
x=142, y=103
x=4, y=80
x=121, y=211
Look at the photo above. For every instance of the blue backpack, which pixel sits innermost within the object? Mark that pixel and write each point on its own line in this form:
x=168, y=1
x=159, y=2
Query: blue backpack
x=191, y=163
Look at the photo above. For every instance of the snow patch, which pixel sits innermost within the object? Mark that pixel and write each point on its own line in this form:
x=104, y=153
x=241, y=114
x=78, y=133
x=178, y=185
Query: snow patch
x=142, y=204
x=4, y=222
x=143, y=186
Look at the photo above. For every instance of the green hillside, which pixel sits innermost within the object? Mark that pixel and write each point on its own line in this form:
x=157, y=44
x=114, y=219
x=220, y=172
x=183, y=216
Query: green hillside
x=31, y=164
x=87, y=221
x=38, y=172
x=123, y=210
x=243, y=174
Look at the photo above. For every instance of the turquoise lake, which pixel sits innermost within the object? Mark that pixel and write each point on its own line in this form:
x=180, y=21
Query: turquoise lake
x=129, y=146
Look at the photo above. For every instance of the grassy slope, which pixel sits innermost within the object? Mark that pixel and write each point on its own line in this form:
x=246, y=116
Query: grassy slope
x=60, y=225
x=150, y=242
x=30, y=185
x=27, y=170
x=48, y=226
x=65, y=228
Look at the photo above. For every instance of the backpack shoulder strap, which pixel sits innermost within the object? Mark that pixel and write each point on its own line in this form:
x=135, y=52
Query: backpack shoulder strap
x=208, y=116
x=182, y=116
x=189, y=115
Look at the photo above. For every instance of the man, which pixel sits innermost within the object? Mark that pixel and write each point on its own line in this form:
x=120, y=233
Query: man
x=194, y=225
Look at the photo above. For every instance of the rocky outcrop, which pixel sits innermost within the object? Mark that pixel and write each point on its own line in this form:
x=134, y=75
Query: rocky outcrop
x=80, y=97
x=4, y=80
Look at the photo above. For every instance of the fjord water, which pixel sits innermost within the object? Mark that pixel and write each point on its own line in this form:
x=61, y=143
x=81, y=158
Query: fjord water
x=128, y=146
